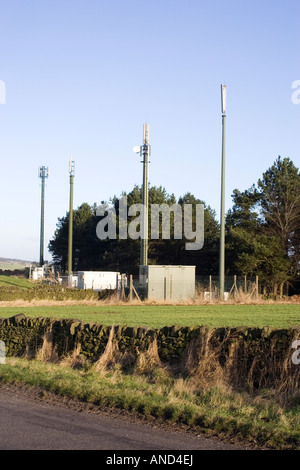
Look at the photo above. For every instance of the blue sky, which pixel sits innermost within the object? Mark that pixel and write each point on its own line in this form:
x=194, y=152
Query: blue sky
x=83, y=76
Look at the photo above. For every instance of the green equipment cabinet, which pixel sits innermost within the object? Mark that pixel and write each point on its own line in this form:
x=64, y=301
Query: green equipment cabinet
x=168, y=282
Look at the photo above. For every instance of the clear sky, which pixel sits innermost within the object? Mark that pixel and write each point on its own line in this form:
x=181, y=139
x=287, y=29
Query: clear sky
x=83, y=76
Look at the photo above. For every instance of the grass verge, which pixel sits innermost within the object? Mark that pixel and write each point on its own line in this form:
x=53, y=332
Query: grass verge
x=145, y=387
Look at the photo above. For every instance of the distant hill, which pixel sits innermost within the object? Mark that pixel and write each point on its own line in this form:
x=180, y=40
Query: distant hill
x=12, y=264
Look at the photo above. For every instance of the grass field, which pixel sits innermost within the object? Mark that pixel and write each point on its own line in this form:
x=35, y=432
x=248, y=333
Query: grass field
x=11, y=266
x=158, y=316
x=12, y=281
x=277, y=315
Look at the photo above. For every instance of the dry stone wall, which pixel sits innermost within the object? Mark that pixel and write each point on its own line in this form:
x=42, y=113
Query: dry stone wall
x=262, y=356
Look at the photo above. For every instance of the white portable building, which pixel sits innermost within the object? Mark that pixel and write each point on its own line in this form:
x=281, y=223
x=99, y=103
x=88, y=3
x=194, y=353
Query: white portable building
x=98, y=280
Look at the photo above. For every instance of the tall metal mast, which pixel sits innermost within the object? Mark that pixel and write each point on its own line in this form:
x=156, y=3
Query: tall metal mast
x=145, y=150
x=222, y=215
x=43, y=174
x=70, y=244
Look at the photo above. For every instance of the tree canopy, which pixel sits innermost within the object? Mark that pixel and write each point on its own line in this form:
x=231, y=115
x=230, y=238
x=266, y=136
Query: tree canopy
x=263, y=227
x=262, y=232
x=92, y=253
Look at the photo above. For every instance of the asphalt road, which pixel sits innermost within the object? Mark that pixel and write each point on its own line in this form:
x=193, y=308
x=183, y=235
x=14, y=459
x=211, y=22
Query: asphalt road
x=26, y=424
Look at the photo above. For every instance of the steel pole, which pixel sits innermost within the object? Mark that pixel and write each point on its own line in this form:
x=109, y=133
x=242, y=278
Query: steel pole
x=144, y=228
x=222, y=217
x=70, y=244
x=144, y=241
x=42, y=216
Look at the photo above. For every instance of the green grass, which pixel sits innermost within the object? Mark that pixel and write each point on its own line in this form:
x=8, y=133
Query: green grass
x=213, y=411
x=158, y=316
x=12, y=281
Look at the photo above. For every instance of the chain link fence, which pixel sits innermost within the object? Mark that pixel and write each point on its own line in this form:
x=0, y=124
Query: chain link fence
x=206, y=288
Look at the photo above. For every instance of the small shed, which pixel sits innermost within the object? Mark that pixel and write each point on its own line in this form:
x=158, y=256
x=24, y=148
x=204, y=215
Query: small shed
x=168, y=282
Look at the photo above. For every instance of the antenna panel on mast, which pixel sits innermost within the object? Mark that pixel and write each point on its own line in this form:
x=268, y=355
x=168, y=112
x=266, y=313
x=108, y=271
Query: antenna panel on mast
x=223, y=98
x=71, y=167
x=146, y=134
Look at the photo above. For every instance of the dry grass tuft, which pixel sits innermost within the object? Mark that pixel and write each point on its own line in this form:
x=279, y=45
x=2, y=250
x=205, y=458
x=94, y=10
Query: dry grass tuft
x=139, y=362
x=110, y=355
x=148, y=360
x=201, y=363
x=47, y=353
x=75, y=359
x=234, y=364
x=287, y=386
